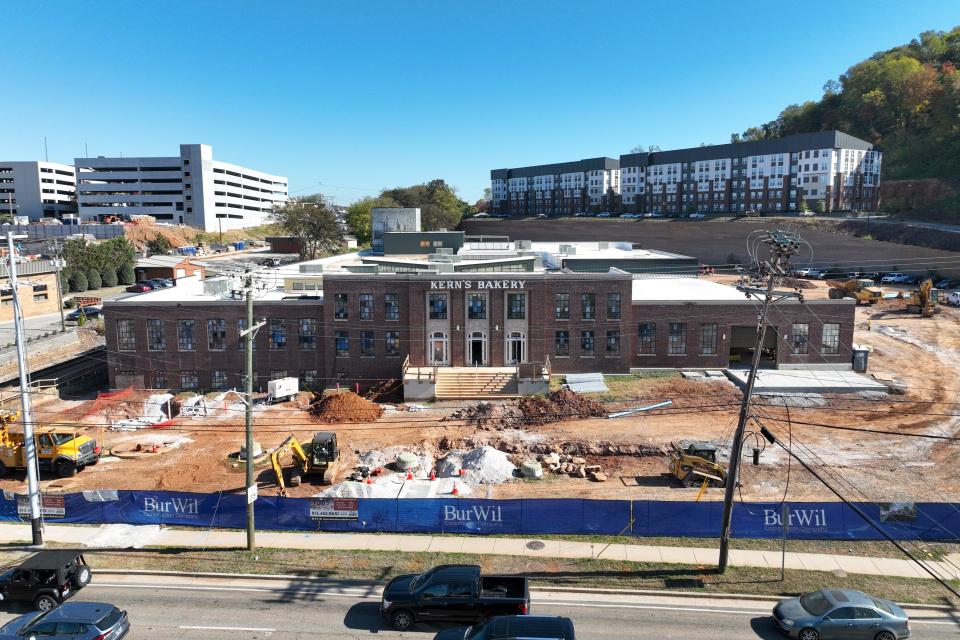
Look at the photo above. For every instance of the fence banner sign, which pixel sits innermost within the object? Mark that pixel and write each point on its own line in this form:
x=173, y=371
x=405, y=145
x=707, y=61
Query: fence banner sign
x=333, y=508
x=541, y=516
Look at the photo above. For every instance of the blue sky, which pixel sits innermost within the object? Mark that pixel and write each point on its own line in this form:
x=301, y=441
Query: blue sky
x=347, y=98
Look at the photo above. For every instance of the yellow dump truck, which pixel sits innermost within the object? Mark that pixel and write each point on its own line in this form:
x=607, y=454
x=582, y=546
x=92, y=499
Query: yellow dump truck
x=861, y=290
x=62, y=450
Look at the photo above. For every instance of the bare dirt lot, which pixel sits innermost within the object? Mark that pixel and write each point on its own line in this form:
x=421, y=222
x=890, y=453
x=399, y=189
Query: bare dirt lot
x=713, y=242
x=922, y=354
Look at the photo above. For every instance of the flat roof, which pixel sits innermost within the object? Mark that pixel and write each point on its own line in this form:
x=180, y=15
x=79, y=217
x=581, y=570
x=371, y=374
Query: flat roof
x=684, y=289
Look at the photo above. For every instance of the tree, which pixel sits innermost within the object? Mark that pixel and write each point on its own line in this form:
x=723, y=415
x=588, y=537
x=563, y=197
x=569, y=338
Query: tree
x=125, y=274
x=821, y=206
x=448, y=211
x=108, y=275
x=638, y=149
x=78, y=282
x=313, y=224
x=359, y=215
x=159, y=245
x=93, y=279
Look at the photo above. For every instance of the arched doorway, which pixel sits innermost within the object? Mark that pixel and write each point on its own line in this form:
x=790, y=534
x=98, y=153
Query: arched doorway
x=477, y=349
x=438, y=348
x=516, y=347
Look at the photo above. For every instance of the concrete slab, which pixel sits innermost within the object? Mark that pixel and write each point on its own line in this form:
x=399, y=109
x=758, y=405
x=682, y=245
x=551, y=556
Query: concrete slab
x=902, y=568
x=806, y=381
x=446, y=545
x=677, y=555
x=856, y=564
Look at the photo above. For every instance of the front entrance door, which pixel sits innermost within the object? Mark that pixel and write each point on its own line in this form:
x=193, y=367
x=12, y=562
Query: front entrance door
x=515, y=347
x=477, y=349
x=437, y=349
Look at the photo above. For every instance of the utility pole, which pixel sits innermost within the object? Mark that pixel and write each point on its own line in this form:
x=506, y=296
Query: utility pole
x=58, y=262
x=29, y=445
x=248, y=334
x=782, y=246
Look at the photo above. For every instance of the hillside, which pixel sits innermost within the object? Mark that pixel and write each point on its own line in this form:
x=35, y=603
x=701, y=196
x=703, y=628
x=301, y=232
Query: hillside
x=906, y=100
x=178, y=235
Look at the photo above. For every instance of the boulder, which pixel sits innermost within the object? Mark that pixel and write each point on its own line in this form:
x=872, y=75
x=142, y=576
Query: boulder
x=581, y=472
x=598, y=476
x=578, y=460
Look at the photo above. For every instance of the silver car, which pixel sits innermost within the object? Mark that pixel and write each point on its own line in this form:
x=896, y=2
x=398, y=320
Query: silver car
x=841, y=614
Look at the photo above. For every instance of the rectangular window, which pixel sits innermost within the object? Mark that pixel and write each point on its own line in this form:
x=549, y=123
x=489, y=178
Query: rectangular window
x=276, y=374
x=218, y=379
x=613, y=306
x=438, y=306
x=561, y=343
x=477, y=306
x=516, y=306
x=308, y=378
x=646, y=337
x=242, y=339
x=159, y=380
x=799, y=338
x=613, y=344
x=216, y=334
x=126, y=339
x=278, y=335
x=366, y=344
x=393, y=344
x=562, y=306
x=366, y=306
x=189, y=380
x=708, y=339
x=588, y=306
x=391, y=306
x=830, y=342
x=155, y=339
x=677, y=339
x=340, y=311
x=343, y=344
x=586, y=344
x=307, y=334
x=186, y=335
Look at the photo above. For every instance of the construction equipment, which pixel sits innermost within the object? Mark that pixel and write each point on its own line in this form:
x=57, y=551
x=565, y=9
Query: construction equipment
x=695, y=463
x=861, y=290
x=924, y=300
x=60, y=449
x=319, y=456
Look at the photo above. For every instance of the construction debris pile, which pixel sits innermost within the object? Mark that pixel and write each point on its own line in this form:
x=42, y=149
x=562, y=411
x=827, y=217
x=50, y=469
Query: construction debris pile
x=573, y=466
x=559, y=405
x=344, y=406
x=484, y=465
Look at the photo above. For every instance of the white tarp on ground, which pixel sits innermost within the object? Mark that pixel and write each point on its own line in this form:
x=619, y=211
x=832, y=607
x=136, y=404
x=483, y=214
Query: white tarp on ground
x=792, y=381
x=194, y=406
x=586, y=383
x=154, y=411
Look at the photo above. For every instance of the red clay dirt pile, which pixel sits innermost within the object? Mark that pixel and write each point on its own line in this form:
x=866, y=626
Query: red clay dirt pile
x=531, y=410
x=345, y=406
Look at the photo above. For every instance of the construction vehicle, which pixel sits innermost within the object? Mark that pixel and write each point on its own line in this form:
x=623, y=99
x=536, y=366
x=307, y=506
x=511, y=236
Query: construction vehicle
x=861, y=290
x=62, y=450
x=695, y=463
x=319, y=456
x=923, y=301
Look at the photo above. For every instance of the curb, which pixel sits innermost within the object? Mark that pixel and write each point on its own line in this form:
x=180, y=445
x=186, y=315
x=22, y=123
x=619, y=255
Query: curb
x=584, y=590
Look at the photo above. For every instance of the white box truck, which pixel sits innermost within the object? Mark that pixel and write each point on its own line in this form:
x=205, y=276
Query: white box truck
x=282, y=389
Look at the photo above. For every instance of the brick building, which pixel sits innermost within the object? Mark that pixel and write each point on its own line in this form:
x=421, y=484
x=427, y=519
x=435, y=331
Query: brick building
x=363, y=323
x=167, y=267
x=37, y=289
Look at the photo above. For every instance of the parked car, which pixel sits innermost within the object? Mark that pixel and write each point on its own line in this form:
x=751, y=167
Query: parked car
x=913, y=280
x=698, y=215
x=841, y=614
x=541, y=216
x=46, y=579
x=510, y=627
x=452, y=593
x=580, y=215
x=75, y=620
x=807, y=213
x=873, y=275
x=270, y=262
x=946, y=283
x=603, y=215
x=88, y=312
x=140, y=287
x=893, y=278
x=481, y=215
x=951, y=297
x=810, y=273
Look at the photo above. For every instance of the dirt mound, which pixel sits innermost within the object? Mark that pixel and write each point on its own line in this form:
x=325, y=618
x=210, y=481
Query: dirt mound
x=140, y=234
x=559, y=405
x=345, y=406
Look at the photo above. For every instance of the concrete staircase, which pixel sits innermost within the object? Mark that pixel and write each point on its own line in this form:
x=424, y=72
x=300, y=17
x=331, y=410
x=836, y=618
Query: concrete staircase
x=478, y=384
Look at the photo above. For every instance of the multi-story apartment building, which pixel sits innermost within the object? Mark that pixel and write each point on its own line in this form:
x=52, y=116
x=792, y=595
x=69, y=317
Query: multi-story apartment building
x=37, y=189
x=826, y=170
x=556, y=189
x=191, y=188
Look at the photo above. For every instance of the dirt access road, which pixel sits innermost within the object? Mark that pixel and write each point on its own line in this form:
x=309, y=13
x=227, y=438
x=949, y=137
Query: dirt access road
x=712, y=242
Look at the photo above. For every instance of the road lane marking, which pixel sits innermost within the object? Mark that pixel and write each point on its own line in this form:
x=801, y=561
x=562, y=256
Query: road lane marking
x=265, y=629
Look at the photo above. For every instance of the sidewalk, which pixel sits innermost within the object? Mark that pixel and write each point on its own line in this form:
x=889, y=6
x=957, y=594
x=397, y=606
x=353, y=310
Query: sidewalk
x=153, y=536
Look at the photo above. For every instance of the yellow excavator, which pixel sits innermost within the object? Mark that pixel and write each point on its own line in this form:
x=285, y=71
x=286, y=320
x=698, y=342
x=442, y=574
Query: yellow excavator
x=319, y=456
x=861, y=290
x=924, y=300
x=695, y=464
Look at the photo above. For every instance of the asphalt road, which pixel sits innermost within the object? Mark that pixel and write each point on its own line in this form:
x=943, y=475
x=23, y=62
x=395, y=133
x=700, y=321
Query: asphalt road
x=208, y=609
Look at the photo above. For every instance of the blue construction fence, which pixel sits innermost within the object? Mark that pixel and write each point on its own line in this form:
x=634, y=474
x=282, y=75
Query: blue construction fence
x=641, y=518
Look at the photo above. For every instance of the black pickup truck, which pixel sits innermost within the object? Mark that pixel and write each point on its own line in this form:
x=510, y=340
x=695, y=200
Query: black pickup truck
x=452, y=593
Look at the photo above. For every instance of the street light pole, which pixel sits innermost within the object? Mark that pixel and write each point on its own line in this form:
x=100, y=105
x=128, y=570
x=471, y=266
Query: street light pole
x=29, y=445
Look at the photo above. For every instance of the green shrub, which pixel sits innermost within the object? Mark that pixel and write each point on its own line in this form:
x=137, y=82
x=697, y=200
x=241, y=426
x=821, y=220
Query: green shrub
x=126, y=275
x=108, y=276
x=78, y=282
x=93, y=279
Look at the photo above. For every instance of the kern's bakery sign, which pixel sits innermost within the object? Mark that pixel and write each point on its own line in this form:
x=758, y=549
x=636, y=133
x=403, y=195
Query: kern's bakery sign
x=478, y=284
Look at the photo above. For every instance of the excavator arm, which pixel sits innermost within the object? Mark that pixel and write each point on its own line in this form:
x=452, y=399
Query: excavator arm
x=293, y=445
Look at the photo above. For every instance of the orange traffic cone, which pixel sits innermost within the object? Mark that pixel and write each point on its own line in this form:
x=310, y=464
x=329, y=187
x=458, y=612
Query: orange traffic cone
x=409, y=475
x=433, y=476
x=462, y=472
x=455, y=491
x=369, y=480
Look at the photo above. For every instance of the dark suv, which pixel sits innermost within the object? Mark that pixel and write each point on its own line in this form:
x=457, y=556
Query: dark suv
x=71, y=621
x=511, y=627
x=45, y=579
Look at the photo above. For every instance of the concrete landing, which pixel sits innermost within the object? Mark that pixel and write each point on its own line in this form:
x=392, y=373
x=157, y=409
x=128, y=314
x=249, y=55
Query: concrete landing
x=806, y=381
